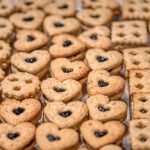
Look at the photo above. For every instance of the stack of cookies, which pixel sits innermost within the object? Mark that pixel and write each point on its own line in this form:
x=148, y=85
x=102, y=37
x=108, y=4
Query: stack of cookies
x=63, y=71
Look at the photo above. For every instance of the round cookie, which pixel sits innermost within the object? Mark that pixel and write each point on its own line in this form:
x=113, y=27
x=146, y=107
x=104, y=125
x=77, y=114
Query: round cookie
x=111, y=147
x=29, y=40
x=54, y=25
x=20, y=86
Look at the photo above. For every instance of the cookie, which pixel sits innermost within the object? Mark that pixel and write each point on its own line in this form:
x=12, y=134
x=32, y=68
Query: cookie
x=29, y=20
x=55, y=90
x=101, y=82
x=29, y=40
x=54, y=25
x=100, y=59
x=16, y=137
x=66, y=115
x=100, y=108
x=96, y=134
x=48, y=136
x=20, y=86
x=83, y=147
x=63, y=69
x=95, y=17
x=36, y=62
x=136, y=9
x=62, y=8
x=2, y=74
x=14, y=112
x=139, y=81
x=128, y=34
x=139, y=134
x=97, y=37
x=66, y=45
x=111, y=147
x=136, y=59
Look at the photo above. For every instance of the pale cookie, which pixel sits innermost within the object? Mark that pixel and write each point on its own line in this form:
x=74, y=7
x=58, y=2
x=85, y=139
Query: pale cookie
x=17, y=137
x=100, y=59
x=97, y=134
x=55, y=90
x=66, y=115
x=139, y=134
x=127, y=34
x=63, y=69
x=29, y=40
x=15, y=112
x=20, y=86
x=101, y=82
x=136, y=59
x=136, y=9
x=54, y=25
x=139, y=81
x=2, y=74
x=111, y=147
x=100, y=108
x=66, y=45
x=95, y=17
x=29, y=20
x=48, y=136
x=97, y=37
x=62, y=8
x=36, y=62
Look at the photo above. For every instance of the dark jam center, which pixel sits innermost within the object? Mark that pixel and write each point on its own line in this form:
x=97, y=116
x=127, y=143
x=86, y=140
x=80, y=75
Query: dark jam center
x=30, y=38
x=31, y=60
x=28, y=3
x=101, y=59
x=64, y=6
x=67, y=43
x=67, y=70
x=12, y=136
x=100, y=134
x=58, y=24
x=59, y=90
x=94, y=36
x=65, y=114
x=94, y=16
x=103, y=109
x=102, y=83
x=18, y=110
x=53, y=138
x=30, y=18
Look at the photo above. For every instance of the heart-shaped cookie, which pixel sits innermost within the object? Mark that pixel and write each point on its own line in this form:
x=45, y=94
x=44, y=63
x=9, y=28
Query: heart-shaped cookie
x=29, y=20
x=100, y=59
x=65, y=115
x=66, y=45
x=63, y=69
x=54, y=25
x=101, y=82
x=56, y=90
x=15, y=112
x=97, y=134
x=100, y=108
x=49, y=137
x=34, y=62
x=16, y=137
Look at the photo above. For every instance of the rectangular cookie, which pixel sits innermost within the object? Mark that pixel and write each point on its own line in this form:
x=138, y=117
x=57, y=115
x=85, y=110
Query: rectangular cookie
x=141, y=106
x=127, y=34
x=139, y=81
x=136, y=59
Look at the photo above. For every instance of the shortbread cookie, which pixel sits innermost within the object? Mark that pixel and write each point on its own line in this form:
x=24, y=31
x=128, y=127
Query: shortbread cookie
x=139, y=81
x=63, y=69
x=55, y=90
x=136, y=9
x=17, y=137
x=95, y=17
x=100, y=108
x=15, y=112
x=63, y=8
x=48, y=136
x=36, y=62
x=2, y=74
x=111, y=147
x=66, y=45
x=54, y=25
x=66, y=115
x=136, y=59
x=127, y=34
x=101, y=82
x=139, y=134
x=99, y=59
x=20, y=86
x=140, y=106
x=29, y=40
x=97, y=37
x=29, y=20
x=97, y=134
